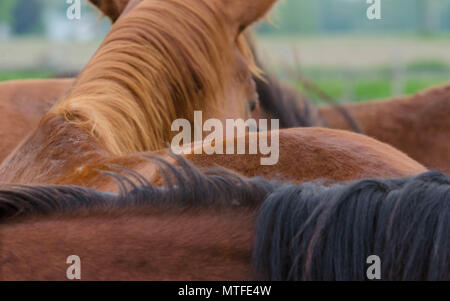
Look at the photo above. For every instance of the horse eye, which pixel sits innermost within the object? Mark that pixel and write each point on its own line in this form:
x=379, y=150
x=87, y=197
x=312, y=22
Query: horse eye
x=252, y=104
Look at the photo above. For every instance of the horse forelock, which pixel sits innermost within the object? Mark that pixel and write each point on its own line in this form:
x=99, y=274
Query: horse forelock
x=161, y=61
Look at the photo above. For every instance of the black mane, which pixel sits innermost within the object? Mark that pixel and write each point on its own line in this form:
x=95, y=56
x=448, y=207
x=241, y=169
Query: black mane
x=185, y=186
x=294, y=110
x=305, y=232
x=284, y=104
x=311, y=232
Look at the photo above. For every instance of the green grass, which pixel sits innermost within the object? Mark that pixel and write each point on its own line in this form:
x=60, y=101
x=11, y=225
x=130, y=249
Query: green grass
x=333, y=88
x=372, y=89
x=367, y=89
x=25, y=74
x=378, y=82
x=415, y=85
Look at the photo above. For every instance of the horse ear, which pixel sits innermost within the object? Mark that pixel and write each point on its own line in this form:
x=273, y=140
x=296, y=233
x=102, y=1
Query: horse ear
x=241, y=13
x=111, y=8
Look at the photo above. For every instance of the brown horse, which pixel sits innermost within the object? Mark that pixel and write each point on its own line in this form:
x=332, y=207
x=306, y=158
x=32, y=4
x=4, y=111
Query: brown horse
x=160, y=62
x=216, y=225
x=194, y=85
x=318, y=153
x=103, y=124
x=419, y=125
x=115, y=108
x=24, y=103
x=394, y=122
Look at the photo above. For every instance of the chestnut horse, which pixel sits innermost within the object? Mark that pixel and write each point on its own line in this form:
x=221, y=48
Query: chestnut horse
x=17, y=96
x=179, y=97
x=124, y=101
x=216, y=225
x=395, y=122
x=418, y=125
x=160, y=62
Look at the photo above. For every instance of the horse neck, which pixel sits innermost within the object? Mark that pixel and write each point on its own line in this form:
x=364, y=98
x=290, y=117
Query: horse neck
x=165, y=244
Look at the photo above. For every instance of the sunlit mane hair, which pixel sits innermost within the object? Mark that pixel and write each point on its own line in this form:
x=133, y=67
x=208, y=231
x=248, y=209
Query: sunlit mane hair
x=161, y=61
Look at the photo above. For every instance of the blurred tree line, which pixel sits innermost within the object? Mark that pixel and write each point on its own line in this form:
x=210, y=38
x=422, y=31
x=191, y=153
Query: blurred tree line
x=314, y=16
x=292, y=16
x=27, y=16
x=23, y=16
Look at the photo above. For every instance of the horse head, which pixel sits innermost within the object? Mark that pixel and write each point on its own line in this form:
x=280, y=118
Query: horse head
x=163, y=60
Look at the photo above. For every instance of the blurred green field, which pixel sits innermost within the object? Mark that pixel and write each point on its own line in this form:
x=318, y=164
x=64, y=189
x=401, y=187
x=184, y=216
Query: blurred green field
x=347, y=90
x=350, y=85
x=364, y=90
x=25, y=74
x=349, y=69
x=358, y=68
x=329, y=42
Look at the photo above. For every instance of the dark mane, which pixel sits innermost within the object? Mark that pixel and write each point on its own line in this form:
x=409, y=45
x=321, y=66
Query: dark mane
x=185, y=185
x=291, y=108
x=285, y=104
x=305, y=232
x=309, y=232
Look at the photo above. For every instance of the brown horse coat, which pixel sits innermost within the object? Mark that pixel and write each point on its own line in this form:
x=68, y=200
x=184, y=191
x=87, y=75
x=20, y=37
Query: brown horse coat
x=305, y=154
x=159, y=242
x=418, y=125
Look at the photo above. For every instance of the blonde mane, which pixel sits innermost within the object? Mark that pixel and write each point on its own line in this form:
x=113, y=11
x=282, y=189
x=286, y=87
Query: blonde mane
x=161, y=61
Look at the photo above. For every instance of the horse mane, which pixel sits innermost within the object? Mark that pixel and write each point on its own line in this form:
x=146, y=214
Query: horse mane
x=279, y=101
x=305, y=232
x=184, y=186
x=160, y=62
x=292, y=109
x=312, y=232
x=285, y=104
